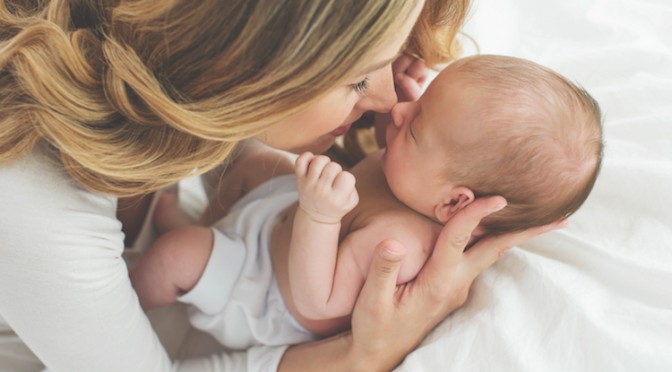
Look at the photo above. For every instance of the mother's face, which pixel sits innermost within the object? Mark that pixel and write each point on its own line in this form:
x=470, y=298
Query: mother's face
x=316, y=128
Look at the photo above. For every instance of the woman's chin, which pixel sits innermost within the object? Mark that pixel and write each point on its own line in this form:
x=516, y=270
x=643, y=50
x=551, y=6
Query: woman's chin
x=318, y=147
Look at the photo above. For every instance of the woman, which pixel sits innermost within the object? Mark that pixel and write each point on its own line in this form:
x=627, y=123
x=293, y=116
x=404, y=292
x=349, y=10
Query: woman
x=103, y=99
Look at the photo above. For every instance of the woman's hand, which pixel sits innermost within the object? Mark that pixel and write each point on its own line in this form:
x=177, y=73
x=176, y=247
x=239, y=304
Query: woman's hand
x=389, y=321
x=410, y=75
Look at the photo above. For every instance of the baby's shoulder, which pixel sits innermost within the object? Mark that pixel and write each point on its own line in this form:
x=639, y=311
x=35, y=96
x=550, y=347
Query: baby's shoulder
x=414, y=231
x=417, y=232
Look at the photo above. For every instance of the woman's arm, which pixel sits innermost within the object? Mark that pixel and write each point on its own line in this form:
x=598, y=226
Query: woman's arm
x=64, y=287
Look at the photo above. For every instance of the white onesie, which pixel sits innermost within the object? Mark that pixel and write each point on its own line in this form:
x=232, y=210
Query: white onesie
x=237, y=299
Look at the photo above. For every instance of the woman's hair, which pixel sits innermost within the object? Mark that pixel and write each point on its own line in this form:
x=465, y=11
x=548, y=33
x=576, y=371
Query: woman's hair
x=136, y=95
x=541, y=146
x=434, y=40
x=434, y=36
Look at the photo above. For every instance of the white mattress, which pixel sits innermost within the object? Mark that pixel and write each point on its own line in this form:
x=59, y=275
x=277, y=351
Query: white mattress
x=596, y=296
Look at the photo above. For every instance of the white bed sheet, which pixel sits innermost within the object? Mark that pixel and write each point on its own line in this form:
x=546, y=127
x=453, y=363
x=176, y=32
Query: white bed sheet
x=596, y=296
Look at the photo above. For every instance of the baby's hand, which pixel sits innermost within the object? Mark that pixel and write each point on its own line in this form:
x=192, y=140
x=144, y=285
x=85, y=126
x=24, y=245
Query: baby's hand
x=326, y=191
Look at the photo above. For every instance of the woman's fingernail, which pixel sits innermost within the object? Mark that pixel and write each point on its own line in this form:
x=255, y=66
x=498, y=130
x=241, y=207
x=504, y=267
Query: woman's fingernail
x=392, y=250
x=499, y=206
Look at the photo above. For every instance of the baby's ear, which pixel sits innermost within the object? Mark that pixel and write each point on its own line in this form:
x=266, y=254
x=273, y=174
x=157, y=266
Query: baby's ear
x=456, y=199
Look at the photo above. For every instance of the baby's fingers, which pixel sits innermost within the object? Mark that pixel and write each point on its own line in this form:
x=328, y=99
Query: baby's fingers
x=301, y=164
x=316, y=167
x=344, y=181
x=329, y=174
x=419, y=71
x=402, y=63
x=344, y=184
x=408, y=89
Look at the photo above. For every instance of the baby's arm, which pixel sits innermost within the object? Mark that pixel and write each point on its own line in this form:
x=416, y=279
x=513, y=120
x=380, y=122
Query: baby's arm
x=172, y=266
x=326, y=194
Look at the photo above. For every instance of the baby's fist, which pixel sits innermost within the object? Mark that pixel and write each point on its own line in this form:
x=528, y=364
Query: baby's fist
x=326, y=191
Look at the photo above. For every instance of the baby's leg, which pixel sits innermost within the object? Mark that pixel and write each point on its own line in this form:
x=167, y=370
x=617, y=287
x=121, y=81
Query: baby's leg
x=168, y=215
x=255, y=164
x=172, y=266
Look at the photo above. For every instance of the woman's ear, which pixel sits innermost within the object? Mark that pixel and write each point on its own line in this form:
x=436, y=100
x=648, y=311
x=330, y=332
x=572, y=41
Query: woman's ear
x=456, y=199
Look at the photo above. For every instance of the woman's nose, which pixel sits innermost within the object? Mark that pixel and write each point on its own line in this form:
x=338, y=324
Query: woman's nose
x=381, y=96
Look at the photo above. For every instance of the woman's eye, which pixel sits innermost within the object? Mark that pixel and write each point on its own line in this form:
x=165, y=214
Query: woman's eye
x=360, y=87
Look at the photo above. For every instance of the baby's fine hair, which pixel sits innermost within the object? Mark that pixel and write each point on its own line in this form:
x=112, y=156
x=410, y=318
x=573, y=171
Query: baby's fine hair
x=543, y=148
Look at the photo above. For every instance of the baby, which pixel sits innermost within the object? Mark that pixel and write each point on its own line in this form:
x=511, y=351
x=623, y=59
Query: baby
x=278, y=271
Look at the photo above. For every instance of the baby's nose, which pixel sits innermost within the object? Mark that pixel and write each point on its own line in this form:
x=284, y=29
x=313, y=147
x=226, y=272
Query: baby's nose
x=400, y=112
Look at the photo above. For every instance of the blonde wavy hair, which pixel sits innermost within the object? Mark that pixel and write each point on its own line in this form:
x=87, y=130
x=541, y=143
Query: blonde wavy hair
x=135, y=95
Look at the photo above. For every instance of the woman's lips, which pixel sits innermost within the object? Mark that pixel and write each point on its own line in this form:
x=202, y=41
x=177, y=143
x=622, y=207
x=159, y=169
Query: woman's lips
x=340, y=130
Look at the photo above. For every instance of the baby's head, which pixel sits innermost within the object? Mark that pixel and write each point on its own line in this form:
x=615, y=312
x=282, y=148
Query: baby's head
x=494, y=125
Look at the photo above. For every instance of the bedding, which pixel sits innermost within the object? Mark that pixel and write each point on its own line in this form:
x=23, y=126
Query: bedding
x=597, y=295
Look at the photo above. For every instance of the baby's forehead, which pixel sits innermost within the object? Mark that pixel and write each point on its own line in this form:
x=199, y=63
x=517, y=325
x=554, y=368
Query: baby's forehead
x=456, y=79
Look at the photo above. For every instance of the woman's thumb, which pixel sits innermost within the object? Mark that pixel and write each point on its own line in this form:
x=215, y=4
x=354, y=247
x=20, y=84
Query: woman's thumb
x=384, y=270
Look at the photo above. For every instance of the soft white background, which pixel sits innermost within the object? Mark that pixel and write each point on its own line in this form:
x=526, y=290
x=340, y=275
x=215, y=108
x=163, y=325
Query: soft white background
x=596, y=296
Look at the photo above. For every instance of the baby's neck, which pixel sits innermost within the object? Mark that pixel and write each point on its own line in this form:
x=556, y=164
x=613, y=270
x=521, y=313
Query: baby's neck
x=372, y=183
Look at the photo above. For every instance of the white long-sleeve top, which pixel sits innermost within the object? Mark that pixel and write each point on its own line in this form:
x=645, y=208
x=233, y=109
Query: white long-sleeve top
x=64, y=286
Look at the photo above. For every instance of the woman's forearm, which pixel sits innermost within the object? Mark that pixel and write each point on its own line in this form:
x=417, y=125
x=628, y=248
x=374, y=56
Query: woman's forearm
x=332, y=354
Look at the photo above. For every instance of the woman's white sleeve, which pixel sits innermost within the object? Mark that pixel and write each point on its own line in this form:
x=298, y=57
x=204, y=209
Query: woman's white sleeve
x=257, y=358
x=64, y=287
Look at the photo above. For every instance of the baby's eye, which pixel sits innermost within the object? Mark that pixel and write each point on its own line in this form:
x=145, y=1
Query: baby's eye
x=360, y=87
x=410, y=131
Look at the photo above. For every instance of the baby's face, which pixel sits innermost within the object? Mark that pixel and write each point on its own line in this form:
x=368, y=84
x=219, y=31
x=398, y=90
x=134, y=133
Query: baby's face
x=419, y=140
